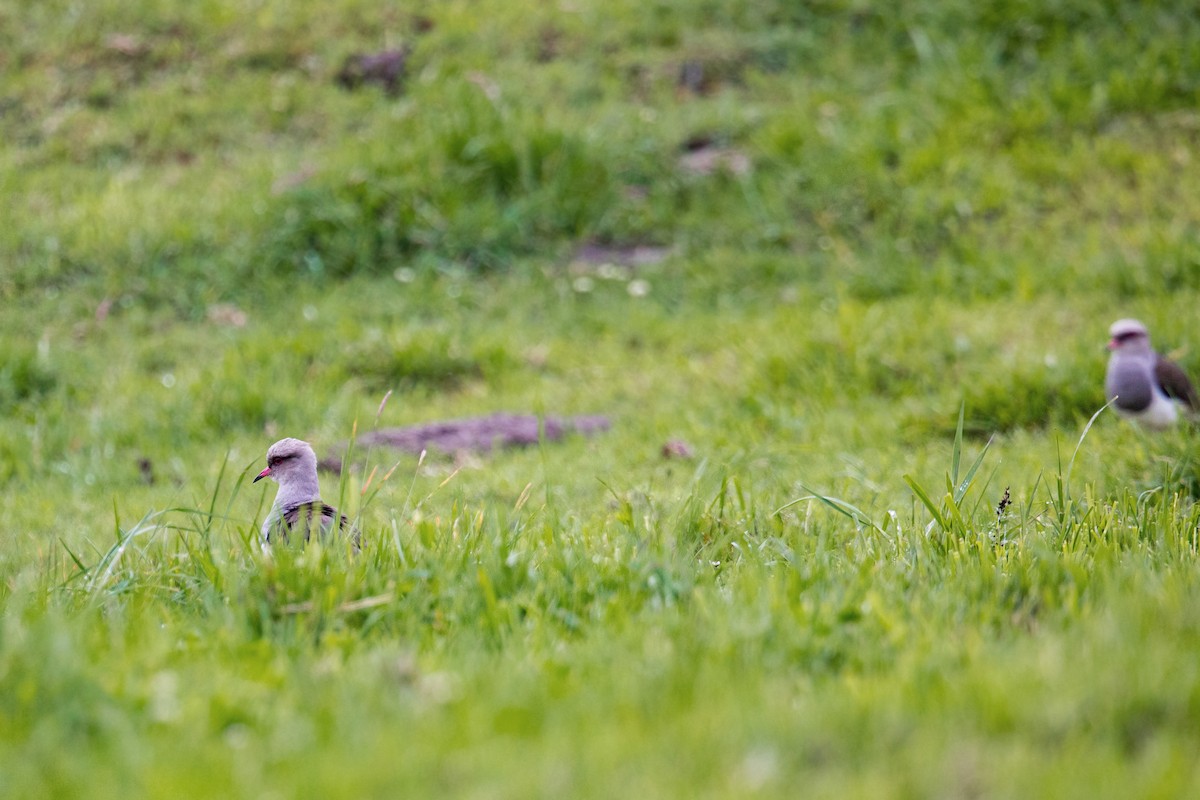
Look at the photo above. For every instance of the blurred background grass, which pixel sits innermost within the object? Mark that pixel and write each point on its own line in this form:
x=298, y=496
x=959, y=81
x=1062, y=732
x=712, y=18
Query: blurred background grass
x=852, y=222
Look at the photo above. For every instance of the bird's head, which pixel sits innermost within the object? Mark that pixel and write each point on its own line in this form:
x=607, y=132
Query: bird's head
x=288, y=457
x=1128, y=335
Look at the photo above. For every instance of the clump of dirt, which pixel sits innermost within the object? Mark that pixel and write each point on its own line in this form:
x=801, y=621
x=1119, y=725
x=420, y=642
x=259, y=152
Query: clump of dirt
x=474, y=434
x=704, y=155
x=386, y=68
x=629, y=256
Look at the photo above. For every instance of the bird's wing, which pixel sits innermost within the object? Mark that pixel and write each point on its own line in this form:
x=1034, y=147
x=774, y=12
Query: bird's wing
x=1174, y=381
x=329, y=514
x=303, y=513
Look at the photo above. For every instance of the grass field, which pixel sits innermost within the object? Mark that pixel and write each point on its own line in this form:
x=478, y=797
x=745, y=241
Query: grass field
x=864, y=222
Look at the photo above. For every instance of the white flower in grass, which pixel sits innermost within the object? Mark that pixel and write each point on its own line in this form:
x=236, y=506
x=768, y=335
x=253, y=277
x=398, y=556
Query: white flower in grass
x=638, y=288
x=610, y=272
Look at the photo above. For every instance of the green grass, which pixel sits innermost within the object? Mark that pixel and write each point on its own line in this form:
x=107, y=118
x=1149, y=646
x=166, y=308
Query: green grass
x=944, y=210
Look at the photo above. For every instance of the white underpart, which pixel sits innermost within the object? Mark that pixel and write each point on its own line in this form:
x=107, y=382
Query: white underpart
x=1163, y=412
x=268, y=525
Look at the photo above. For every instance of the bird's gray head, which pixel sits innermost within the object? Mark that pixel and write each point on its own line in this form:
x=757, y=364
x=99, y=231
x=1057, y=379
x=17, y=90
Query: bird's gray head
x=287, y=458
x=1129, y=336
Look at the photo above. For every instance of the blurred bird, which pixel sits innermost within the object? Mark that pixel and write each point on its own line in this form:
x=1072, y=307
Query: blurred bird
x=298, y=508
x=1147, y=388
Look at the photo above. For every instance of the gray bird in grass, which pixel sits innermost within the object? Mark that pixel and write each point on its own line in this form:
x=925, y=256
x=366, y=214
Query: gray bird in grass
x=1148, y=388
x=298, y=508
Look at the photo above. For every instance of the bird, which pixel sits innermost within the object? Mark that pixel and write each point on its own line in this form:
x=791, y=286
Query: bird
x=1143, y=385
x=298, y=507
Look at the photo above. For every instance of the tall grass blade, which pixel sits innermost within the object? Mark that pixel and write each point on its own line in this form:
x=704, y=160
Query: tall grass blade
x=923, y=496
